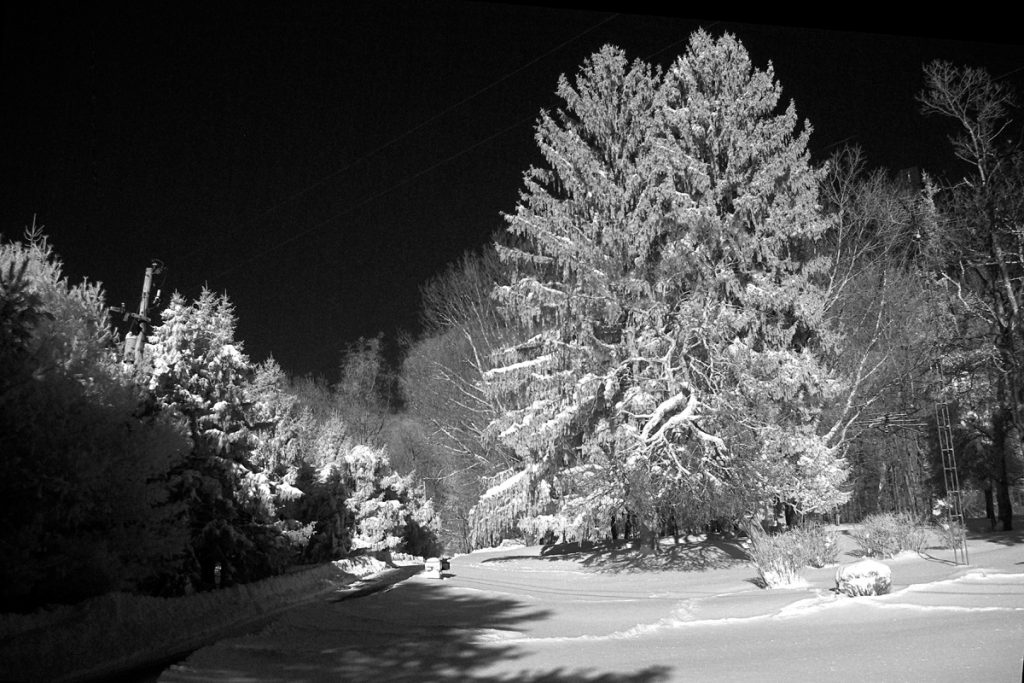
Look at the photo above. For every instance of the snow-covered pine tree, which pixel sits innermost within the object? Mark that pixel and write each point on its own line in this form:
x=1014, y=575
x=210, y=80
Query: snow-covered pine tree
x=199, y=370
x=673, y=368
x=383, y=503
x=284, y=431
x=284, y=428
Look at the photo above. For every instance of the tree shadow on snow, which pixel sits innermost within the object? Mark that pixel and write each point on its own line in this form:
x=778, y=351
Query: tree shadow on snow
x=417, y=631
x=980, y=529
x=618, y=557
x=926, y=554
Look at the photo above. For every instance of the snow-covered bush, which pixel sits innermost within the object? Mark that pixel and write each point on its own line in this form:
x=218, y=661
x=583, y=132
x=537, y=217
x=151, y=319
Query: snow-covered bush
x=952, y=534
x=867, y=577
x=889, y=533
x=779, y=558
x=296, y=534
x=820, y=544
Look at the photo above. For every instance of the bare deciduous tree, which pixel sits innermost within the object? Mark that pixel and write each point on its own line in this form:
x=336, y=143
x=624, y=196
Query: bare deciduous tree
x=986, y=210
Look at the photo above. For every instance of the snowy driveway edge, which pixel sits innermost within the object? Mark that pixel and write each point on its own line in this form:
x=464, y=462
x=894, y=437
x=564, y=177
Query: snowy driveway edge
x=119, y=632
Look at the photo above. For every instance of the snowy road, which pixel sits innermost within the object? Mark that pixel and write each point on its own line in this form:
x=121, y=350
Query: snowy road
x=515, y=616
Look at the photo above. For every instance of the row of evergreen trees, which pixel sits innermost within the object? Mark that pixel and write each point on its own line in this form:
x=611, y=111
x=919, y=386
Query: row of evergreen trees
x=148, y=479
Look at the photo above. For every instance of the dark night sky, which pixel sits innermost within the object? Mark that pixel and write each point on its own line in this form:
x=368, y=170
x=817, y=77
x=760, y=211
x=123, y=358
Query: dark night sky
x=318, y=161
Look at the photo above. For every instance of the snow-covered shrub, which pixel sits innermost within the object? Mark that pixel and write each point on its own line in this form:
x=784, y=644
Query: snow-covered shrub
x=952, y=534
x=867, y=577
x=820, y=544
x=889, y=533
x=297, y=534
x=778, y=558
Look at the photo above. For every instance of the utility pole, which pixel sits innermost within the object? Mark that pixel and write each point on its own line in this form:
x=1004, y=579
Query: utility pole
x=135, y=339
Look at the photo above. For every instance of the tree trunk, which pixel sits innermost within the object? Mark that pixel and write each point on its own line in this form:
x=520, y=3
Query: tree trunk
x=647, y=538
x=1003, y=451
x=336, y=528
x=792, y=517
x=1005, y=506
x=883, y=475
x=990, y=506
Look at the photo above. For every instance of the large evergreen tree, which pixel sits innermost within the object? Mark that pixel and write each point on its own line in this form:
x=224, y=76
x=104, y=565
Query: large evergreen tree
x=673, y=369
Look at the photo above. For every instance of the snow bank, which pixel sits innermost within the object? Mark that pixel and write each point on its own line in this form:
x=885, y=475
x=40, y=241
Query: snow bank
x=507, y=544
x=361, y=565
x=118, y=631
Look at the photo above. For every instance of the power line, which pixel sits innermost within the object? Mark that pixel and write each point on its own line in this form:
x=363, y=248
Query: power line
x=440, y=114
x=1009, y=73
x=371, y=198
x=307, y=189
x=292, y=238
x=671, y=45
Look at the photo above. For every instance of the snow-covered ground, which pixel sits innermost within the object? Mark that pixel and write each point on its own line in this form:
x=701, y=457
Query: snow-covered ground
x=693, y=613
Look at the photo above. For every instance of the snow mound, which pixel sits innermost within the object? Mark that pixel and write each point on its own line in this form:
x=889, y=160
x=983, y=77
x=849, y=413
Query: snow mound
x=867, y=577
x=360, y=566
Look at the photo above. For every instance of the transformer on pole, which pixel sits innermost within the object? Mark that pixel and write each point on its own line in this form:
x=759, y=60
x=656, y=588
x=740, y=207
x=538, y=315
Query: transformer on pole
x=135, y=339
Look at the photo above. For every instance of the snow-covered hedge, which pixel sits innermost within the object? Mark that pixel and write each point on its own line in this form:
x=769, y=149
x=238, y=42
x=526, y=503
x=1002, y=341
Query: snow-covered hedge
x=118, y=631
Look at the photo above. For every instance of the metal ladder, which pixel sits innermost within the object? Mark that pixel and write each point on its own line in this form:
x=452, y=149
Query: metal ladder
x=955, y=508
